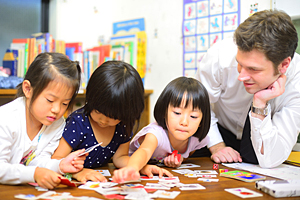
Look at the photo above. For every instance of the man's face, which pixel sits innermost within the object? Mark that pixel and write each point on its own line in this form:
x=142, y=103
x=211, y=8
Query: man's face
x=255, y=70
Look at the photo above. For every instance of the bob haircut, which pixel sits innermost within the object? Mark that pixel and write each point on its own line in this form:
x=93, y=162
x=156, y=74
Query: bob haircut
x=48, y=67
x=116, y=90
x=174, y=93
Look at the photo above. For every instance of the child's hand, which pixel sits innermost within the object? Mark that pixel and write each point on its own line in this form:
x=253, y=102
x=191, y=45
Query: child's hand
x=46, y=178
x=149, y=170
x=173, y=160
x=125, y=174
x=73, y=163
x=89, y=175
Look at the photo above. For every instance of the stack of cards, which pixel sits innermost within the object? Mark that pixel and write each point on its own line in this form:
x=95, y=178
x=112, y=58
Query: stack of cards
x=204, y=175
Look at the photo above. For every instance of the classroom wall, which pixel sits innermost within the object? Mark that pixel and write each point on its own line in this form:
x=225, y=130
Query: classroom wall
x=86, y=21
x=18, y=19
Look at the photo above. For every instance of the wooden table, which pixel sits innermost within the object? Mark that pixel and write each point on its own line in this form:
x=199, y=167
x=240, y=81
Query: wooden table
x=214, y=190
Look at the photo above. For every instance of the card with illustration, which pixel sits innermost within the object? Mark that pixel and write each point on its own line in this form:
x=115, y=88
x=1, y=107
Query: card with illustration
x=48, y=195
x=94, y=185
x=173, y=179
x=243, y=192
x=187, y=165
x=243, y=176
x=166, y=194
x=104, y=172
x=90, y=149
x=205, y=172
x=156, y=186
x=194, y=186
x=130, y=181
x=65, y=181
x=147, y=178
x=183, y=171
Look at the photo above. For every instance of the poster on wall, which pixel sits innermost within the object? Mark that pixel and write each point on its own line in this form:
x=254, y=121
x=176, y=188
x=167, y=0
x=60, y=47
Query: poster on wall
x=204, y=23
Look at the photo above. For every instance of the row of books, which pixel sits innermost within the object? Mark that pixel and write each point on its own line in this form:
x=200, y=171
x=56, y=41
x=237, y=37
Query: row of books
x=24, y=50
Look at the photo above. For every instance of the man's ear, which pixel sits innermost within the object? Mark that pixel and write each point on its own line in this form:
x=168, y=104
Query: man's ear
x=27, y=89
x=284, y=65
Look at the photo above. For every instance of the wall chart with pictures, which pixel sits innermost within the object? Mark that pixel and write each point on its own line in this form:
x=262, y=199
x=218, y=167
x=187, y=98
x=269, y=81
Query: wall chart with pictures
x=204, y=23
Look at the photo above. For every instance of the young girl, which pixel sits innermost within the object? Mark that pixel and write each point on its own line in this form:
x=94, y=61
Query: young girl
x=31, y=125
x=114, y=101
x=182, y=114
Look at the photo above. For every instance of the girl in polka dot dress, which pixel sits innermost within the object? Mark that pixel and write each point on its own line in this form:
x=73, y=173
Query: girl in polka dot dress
x=114, y=101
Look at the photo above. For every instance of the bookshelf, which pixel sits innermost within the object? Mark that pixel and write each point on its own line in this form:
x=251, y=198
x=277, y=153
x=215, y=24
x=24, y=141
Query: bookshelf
x=7, y=95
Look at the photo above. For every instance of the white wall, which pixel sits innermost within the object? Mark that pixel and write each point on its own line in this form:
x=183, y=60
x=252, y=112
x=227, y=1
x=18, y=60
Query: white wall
x=78, y=20
x=291, y=7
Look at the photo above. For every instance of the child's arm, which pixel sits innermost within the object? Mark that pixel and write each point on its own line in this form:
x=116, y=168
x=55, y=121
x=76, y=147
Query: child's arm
x=63, y=150
x=137, y=160
x=121, y=158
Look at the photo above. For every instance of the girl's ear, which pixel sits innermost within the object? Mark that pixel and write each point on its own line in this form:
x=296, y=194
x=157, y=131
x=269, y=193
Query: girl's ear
x=27, y=89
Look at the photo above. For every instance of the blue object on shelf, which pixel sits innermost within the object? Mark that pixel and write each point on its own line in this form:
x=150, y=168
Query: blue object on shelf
x=10, y=62
x=10, y=82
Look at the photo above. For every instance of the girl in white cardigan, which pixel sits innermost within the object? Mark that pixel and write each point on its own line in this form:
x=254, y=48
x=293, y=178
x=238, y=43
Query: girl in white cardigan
x=32, y=124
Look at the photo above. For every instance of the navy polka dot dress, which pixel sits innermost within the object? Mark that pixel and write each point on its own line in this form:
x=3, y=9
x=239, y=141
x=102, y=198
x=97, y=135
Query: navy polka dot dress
x=79, y=134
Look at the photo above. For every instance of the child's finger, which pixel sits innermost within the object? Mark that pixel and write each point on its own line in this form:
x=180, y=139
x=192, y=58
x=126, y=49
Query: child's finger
x=118, y=176
x=136, y=175
x=160, y=173
x=98, y=177
x=83, y=180
x=148, y=173
x=166, y=172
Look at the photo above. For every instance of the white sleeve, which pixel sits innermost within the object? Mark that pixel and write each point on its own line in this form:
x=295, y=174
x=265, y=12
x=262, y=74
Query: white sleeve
x=12, y=173
x=278, y=134
x=47, y=145
x=209, y=74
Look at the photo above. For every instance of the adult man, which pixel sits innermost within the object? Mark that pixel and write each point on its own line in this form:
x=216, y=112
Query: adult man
x=258, y=70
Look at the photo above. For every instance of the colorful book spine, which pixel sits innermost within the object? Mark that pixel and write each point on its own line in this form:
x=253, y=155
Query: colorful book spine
x=26, y=51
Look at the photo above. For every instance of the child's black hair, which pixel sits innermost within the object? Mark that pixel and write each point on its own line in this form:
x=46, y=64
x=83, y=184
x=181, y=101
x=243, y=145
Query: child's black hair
x=173, y=95
x=116, y=90
x=48, y=67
